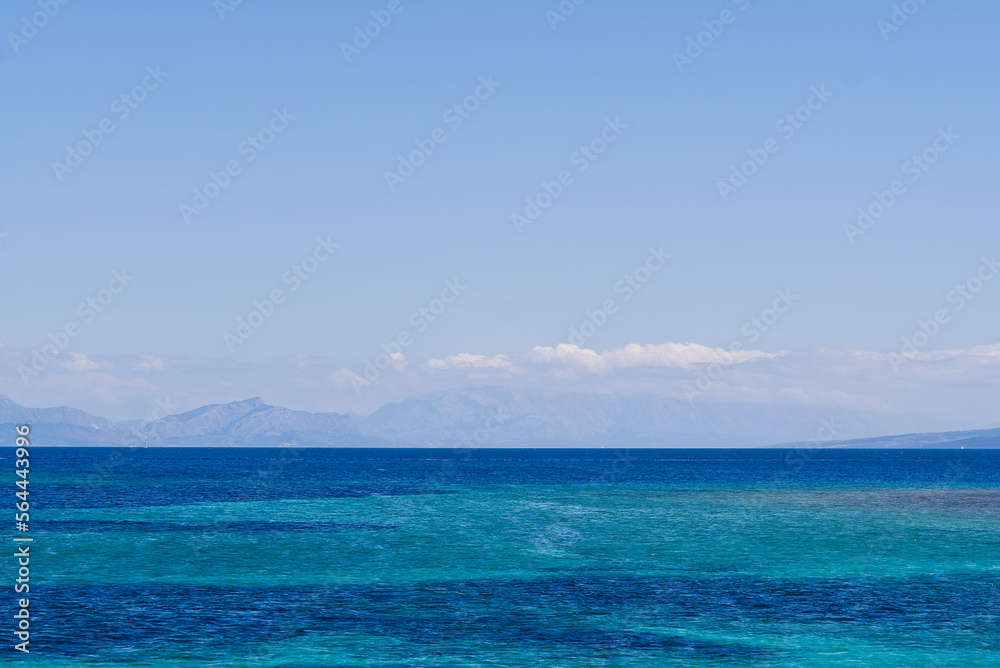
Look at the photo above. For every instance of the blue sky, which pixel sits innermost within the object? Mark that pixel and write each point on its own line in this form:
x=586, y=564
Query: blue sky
x=345, y=124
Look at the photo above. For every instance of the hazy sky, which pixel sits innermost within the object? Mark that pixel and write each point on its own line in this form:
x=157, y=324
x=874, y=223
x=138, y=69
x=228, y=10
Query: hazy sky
x=200, y=150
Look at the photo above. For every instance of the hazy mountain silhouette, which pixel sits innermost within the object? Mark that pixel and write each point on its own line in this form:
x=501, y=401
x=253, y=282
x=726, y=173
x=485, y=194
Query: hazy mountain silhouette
x=497, y=417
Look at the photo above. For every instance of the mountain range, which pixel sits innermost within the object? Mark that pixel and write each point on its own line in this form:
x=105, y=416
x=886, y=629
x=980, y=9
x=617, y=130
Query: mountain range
x=498, y=417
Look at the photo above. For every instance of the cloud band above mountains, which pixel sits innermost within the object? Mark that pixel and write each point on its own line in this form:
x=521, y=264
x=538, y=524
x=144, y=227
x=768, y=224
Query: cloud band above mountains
x=956, y=385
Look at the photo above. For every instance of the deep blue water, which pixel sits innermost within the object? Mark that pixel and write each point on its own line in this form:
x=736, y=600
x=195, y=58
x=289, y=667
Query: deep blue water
x=359, y=557
x=172, y=476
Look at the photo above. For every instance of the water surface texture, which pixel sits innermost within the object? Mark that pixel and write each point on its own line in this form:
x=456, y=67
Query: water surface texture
x=308, y=558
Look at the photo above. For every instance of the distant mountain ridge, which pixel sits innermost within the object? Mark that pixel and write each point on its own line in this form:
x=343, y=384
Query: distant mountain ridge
x=972, y=439
x=57, y=425
x=495, y=417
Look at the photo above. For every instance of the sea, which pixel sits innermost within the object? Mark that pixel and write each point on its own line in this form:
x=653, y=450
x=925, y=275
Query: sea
x=308, y=558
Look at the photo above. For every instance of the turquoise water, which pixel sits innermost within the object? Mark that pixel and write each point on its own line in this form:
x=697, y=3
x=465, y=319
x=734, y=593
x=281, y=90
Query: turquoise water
x=514, y=558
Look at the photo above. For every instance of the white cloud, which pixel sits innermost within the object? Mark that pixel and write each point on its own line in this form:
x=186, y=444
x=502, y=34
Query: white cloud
x=345, y=378
x=468, y=361
x=301, y=361
x=371, y=370
x=149, y=363
x=80, y=362
x=569, y=357
x=985, y=354
x=957, y=384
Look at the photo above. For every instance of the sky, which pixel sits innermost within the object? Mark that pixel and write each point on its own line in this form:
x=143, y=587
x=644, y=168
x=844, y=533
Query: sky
x=449, y=199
